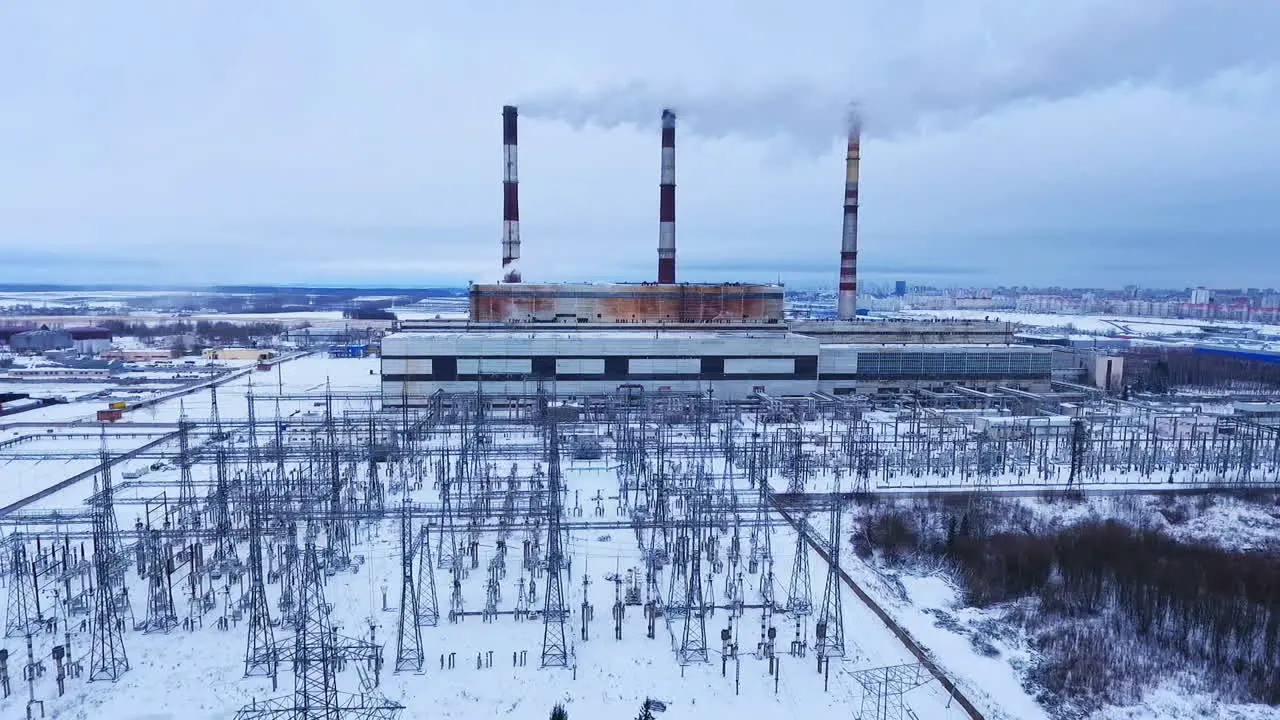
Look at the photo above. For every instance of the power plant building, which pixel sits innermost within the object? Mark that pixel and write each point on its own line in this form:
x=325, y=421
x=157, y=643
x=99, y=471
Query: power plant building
x=627, y=303
x=732, y=365
x=728, y=340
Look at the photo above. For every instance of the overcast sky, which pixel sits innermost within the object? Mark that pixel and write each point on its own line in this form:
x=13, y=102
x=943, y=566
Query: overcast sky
x=1080, y=142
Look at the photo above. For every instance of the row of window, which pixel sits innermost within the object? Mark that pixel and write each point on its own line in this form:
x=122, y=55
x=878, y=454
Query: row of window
x=445, y=369
x=871, y=366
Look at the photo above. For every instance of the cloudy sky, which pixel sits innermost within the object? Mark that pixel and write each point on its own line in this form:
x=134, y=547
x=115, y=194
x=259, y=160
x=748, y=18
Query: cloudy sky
x=1080, y=142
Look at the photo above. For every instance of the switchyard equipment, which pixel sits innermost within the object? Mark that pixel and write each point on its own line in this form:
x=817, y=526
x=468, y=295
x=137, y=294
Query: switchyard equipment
x=266, y=519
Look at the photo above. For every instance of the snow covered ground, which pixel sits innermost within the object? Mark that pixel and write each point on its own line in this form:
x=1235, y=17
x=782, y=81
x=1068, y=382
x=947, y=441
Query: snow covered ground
x=990, y=654
x=194, y=675
x=197, y=674
x=1096, y=324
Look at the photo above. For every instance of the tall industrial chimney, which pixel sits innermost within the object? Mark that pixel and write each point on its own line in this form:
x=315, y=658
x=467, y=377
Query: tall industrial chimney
x=848, y=304
x=667, y=202
x=510, y=199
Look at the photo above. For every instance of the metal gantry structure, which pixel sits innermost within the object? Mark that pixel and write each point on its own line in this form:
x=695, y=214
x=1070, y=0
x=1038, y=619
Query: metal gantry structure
x=468, y=483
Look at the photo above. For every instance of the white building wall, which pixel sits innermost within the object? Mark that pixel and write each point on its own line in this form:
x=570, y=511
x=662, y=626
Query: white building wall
x=491, y=365
x=579, y=366
x=759, y=366
x=681, y=366
x=722, y=389
x=648, y=353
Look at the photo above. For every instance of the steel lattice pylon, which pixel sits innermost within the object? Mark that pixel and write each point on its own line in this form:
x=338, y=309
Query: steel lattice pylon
x=555, y=649
x=428, y=603
x=315, y=653
x=408, y=630
x=22, y=614
x=830, y=627
x=107, y=658
x=259, y=654
x=884, y=690
x=800, y=590
x=693, y=643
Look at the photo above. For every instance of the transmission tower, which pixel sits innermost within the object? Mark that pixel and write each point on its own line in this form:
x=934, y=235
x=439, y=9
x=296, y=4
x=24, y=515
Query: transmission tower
x=189, y=516
x=224, y=553
x=800, y=590
x=428, y=604
x=830, y=627
x=374, y=497
x=107, y=658
x=693, y=643
x=408, y=630
x=884, y=688
x=259, y=656
x=315, y=688
x=22, y=616
x=338, y=546
x=161, y=615
x=316, y=654
x=555, y=650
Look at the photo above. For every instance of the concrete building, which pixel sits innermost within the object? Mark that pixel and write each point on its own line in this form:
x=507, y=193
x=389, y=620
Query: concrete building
x=59, y=373
x=1108, y=372
x=255, y=354
x=627, y=303
x=733, y=365
x=137, y=355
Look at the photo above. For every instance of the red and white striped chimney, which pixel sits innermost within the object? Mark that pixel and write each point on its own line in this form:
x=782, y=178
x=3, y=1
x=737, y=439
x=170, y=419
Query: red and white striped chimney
x=847, y=307
x=510, y=199
x=667, y=202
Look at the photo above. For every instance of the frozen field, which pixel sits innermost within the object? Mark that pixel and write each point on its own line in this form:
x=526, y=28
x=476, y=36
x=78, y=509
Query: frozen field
x=1094, y=324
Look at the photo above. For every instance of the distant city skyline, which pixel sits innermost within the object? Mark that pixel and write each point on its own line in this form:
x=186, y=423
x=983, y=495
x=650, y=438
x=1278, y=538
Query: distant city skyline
x=1008, y=143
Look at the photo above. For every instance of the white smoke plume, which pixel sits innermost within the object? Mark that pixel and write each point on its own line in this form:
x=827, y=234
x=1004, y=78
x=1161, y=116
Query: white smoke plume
x=1169, y=43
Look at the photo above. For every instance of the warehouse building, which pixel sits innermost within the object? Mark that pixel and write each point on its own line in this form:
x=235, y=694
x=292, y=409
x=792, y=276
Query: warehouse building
x=231, y=353
x=729, y=365
x=38, y=341
x=732, y=365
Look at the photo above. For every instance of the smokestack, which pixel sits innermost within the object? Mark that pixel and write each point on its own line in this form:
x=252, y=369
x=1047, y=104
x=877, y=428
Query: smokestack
x=848, y=303
x=510, y=199
x=667, y=202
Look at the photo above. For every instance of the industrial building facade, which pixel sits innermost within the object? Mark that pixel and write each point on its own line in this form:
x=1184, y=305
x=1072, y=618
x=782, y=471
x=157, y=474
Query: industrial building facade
x=627, y=303
x=729, y=365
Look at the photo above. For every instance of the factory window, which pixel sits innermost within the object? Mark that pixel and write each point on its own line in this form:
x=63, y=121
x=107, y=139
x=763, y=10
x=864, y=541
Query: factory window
x=615, y=368
x=807, y=367
x=712, y=368
x=544, y=367
x=444, y=368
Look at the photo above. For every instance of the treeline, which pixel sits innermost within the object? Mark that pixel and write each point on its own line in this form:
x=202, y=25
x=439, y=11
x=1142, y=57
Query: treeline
x=1116, y=606
x=368, y=313
x=1163, y=370
x=204, y=331
x=46, y=310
